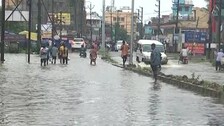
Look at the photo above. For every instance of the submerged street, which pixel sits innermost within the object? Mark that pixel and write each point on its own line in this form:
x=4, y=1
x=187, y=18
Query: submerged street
x=83, y=95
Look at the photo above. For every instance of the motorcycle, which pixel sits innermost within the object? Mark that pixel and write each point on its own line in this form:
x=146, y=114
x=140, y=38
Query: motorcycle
x=183, y=60
x=83, y=54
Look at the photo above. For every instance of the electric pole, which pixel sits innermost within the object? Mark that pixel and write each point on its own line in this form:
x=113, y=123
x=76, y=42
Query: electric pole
x=176, y=31
x=53, y=21
x=132, y=33
x=3, y=32
x=61, y=25
x=219, y=23
x=39, y=24
x=158, y=27
x=30, y=26
x=210, y=29
x=91, y=25
x=103, y=29
x=141, y=32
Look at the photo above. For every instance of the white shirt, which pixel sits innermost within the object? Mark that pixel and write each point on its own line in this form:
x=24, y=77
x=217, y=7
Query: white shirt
x=184, y=52
x=219, y=56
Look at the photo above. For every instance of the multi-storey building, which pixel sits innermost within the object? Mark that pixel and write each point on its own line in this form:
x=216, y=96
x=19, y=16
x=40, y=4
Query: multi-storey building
x=123, y=17
x=185, y=9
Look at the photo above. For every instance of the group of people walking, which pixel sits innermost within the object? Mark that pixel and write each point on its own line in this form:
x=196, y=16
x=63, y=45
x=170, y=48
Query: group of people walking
x=50, y=54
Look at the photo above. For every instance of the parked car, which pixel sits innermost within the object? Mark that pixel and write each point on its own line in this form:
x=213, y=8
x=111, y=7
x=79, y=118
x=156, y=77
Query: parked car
x=76, y=43
x=118, y=45
x=144, y=50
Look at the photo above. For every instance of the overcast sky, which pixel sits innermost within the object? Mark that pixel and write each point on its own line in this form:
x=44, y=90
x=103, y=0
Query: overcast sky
x=148, y=5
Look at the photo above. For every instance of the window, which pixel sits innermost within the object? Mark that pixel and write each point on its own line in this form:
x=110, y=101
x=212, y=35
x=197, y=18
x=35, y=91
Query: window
x=186, y=8
x=122, y=26
x=122, y=19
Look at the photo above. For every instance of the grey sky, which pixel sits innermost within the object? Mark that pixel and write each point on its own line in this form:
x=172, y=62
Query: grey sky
x=148, y=5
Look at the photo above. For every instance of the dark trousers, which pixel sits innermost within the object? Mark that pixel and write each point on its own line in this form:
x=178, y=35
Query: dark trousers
x=43, y=61
x=53, y=59
x=124, y=59
x=65, y=60
x=155, y=70
x=217, y=65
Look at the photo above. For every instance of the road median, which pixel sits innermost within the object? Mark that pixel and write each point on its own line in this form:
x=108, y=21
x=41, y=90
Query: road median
x=202, y=87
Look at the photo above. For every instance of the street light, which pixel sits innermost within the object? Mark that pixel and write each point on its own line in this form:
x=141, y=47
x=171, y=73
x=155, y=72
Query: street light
x=132, y=33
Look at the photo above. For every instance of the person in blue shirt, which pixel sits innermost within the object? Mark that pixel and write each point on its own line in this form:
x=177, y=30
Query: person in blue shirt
x=155, y=61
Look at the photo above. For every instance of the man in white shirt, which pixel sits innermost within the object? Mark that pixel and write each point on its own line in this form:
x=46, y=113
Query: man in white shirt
x=219, y=57
x=183, y=53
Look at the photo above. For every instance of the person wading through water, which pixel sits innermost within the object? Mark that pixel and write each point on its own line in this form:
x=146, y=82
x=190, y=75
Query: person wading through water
x=155, y=61
x=124, y=52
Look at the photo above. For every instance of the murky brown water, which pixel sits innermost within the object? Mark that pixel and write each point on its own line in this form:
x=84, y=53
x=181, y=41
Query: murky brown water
x=84, y=95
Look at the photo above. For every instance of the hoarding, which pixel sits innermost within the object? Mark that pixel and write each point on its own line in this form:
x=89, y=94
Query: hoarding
x=196, y=48
x=192, y=36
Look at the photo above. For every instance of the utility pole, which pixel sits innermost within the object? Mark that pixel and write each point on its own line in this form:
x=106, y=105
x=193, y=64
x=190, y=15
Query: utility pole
x=53, y=21
x=30, y=25
x=176, y=31
x=219, y=23
x=3, y=33
x=132, y=33
x=39, y=24
x=61, y=25
x=210, y=30
x=91, y=25
x=103, y=29
x=158, y=26
x=138, y=27
x=111, y=23
x=141, y=32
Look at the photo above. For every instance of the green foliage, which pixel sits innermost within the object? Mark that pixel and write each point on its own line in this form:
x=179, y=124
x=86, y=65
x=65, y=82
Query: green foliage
x=121, y=33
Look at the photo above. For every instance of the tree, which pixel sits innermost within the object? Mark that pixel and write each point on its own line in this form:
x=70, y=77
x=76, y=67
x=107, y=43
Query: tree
x=120, y=33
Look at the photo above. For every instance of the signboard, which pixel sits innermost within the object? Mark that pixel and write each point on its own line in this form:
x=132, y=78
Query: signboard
x=193, y=36
x=65, y=17
x=196, y=48
x=148, y=30
x=15, y=37
x=16, y=15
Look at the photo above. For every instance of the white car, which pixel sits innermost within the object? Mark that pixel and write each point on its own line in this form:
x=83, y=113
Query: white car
x=77, y=43
x=144, y=50
x=118, y=45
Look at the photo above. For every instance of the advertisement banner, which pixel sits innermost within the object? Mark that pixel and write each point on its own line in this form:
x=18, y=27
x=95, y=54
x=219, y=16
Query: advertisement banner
x=196, y=48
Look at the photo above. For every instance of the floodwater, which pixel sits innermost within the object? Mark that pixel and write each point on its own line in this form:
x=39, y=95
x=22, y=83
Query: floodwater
x=78, y=94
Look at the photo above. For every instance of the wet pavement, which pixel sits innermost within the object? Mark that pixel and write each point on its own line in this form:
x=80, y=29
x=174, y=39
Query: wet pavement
x=204, y=70
x=78, y=94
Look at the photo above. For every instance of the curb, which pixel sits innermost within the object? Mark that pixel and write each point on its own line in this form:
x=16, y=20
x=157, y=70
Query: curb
x=181, y=84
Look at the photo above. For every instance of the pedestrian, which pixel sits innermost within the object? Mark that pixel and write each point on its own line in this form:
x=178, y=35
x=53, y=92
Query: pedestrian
x=43, y=55
x=61, y=51
x=219, y=57
x=65, y=55
x=54, y=52
x=155, y=61
x=124, y=52
x=93, y=55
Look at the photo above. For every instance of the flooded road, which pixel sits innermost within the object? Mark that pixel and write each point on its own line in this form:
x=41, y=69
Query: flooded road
x=78, y=94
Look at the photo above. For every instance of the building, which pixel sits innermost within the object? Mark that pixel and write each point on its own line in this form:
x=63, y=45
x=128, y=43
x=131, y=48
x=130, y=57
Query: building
x=93, y=24
x=123, y=17
x=185, y=9
x=75, y=10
